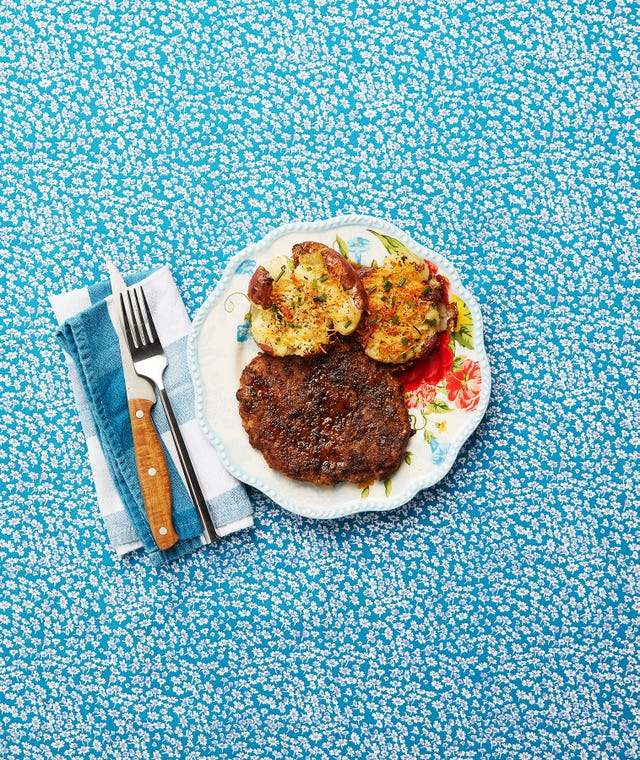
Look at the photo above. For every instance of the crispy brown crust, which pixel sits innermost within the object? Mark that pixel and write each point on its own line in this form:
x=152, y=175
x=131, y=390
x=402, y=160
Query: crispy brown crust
x=338, y=417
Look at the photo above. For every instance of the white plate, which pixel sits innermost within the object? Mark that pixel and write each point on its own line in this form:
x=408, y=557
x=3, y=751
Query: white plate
x=220, y=346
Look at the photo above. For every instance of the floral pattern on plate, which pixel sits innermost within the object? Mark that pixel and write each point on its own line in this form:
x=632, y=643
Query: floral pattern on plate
x=446, y=394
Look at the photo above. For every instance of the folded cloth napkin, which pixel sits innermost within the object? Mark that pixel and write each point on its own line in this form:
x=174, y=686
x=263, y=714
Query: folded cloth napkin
x=86, y=333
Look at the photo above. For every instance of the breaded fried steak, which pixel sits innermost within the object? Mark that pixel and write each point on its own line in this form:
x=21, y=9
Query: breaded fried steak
x=330, y=418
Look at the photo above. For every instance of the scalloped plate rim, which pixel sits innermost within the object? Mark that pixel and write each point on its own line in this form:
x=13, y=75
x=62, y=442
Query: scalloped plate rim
x=353, y=506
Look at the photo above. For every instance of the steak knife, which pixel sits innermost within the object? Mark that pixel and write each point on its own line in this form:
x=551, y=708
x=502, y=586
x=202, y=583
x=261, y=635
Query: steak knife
x=151, y=463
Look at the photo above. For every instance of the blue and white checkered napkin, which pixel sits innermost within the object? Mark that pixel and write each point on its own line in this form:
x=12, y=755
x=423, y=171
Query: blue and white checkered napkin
x=90, y=342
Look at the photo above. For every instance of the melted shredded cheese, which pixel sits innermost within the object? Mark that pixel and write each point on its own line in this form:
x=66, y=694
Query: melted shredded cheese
x=308, y=307
x=400, y=318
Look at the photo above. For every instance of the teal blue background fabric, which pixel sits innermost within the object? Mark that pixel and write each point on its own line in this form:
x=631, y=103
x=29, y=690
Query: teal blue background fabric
x=491, y=617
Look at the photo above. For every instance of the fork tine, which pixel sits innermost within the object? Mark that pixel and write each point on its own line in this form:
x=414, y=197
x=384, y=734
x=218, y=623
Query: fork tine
x=134, y=322
x=152, y=327
x=141, y=320
x=126, y=324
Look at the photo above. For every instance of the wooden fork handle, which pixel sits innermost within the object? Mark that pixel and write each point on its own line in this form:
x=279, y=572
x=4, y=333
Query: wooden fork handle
x=153, y=473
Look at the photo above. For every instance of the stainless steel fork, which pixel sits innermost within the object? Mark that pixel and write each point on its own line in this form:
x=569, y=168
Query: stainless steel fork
x=150, y=361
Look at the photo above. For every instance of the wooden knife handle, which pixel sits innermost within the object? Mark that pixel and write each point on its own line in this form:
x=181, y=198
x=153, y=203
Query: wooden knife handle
x=153, y=473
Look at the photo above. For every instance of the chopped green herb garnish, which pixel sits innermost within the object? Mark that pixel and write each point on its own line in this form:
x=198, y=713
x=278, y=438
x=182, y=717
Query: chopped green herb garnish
x=323, y=297
x=371, y=289
x=282, y=268
x=394, y=321
x=388, y=285
x=347, y=324
x=324, y=278
x=402, y=282
x=405, y=341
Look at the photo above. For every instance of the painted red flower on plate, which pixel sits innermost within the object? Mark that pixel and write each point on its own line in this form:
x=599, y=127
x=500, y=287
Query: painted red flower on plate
x=420, y=395
x=430, y=370
x=463, y=385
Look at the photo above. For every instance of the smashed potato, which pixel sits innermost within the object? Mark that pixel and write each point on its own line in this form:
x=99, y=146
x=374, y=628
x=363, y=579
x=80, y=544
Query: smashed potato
x=405, y=309
x=298, y=304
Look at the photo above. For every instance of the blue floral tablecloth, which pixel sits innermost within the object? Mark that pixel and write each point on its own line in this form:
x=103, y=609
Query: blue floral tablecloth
x=491, y=617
